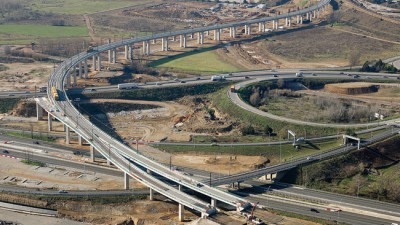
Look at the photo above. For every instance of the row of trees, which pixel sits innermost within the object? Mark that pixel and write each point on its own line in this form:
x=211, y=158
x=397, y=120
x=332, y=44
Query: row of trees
x=378, y=66
x=250, y=130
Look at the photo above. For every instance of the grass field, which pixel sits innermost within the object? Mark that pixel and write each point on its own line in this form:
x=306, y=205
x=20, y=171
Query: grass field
x=273, y=152
x=19, y=31
x=81, y=6
x=204, y=61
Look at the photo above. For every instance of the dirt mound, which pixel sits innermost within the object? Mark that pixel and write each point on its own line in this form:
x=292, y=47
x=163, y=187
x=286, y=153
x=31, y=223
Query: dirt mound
x=352, y=88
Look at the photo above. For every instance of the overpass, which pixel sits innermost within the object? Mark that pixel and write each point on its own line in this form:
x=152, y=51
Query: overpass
x=117, y=153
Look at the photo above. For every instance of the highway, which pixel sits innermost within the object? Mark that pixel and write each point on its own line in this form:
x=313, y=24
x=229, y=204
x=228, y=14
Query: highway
x=290, y=191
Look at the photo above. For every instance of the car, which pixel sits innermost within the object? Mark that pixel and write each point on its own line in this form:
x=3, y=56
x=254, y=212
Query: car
x=62, y=191
x=158, y=83
x=275, y=75
x=183, y=81
x=36, y=142
x=176, y=79
x=77, y=153
x=247, y=77
x=92, y=89
x=199, y=185
x=230, y=74
x=356, y=76
x=314, y=210
x=198, y=78
x=11, y=95
x=309, y=158
x=385, y=77
x=398, y=78
x=348, y=75
x=6, y=152
x=341, y=73
x=314, y=74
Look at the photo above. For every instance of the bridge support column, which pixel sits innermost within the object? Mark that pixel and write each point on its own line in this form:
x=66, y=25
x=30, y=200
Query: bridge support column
x=314, y=13
x=39, y=112
x=80, y=70
x=249, y=29
x=86, y=68
x=130, y=50
x=174, y=38
x=198, y=37
x=214, y=203
x=191, y=35
x=108, y=162
x=286, y=21
x=114, y=55
x=50, y=122
x=307, y=16
x=94, y=63
x=80, y=140
x=154, y=41
x=151, y=195
x=67, y=136
x=126, y=52
x=144, y=48
x=289, y=21
x=181, y=212
x=109, y=52
x=147, y=47
x=164, y=44
x=99, y=59
x=259, y=27
x=301, y=19
x=91, y=153
x=310, y=17
x=233, y=32
x=74, y=80
x=126, y=181
x=246, y=28
x=318, y=13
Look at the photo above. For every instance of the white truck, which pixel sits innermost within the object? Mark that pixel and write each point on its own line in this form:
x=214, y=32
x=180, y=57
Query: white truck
x=217, y=78
x=299, y=74
x=127, y=86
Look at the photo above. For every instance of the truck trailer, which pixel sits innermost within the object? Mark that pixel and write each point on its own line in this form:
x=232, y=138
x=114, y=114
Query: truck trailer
x=217, y=78
x=127, y=86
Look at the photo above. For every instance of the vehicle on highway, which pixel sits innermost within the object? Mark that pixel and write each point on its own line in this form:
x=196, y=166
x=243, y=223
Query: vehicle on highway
x=309, y=158
x=77, y=153
x=62, y=191
x=176, y=79
x=92, y=89
x=36, y=142
x=199, y=185
x=217, y=78
x=43, y=89
x=275, y=75
x=341, y=73
x=314, y=74
x=54, y=91
x=398, y=78
x=299, y=74
x=348, y=74
x=385, y=77
x=182, y=82
x=247, y=77
x=314, y=210
x=11, y=95
x=356, y=76
x=127, y=86
x=6, y=152
x=158, y=83
x=300, y=139
x=198, y=78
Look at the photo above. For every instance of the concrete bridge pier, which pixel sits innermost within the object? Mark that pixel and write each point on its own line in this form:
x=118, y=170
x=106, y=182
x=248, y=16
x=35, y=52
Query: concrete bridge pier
x=147, y=47
x=289, y=21
x=164, y=44
x=151, y=195
x=181, y=212
x=126, y=181
x=318, y=13
x=249, y=29
x=174, y=38
x=144, y=48
x=91, y=153
x=314, y=13
x=126, y=52
x=307, y=16
x=74, y=80
x=85, y=68
x=246, y=28
x=191, y=35
x=233, y=32
x=99, y=61
x=214, y=203
x=154, y=41
x=67, y=136
x=94, y=63
x=301, y=19
x=39, y=112
x=109, y=51
x=49, y=122
x=130, y=51
x=80, y=70
x=202, y=38
x=310, y=17
x=80, y=140
x=114, y=55
x=198, y=37
x=68, y=79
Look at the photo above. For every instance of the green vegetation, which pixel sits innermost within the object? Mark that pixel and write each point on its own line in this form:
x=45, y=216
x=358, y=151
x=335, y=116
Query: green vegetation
x=371, y=172
x=159, y=94
x=7, y=104
x=273, y=152
x=199, y=61
x=81, y=6
x=33, y=163
x=29, y=134
x=225, y=105
x=25, y=31
x=378, y=66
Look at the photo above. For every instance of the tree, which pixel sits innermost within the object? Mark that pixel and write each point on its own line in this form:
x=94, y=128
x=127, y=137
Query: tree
x=248, y=130
x=268, y=130
x=354, y=58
